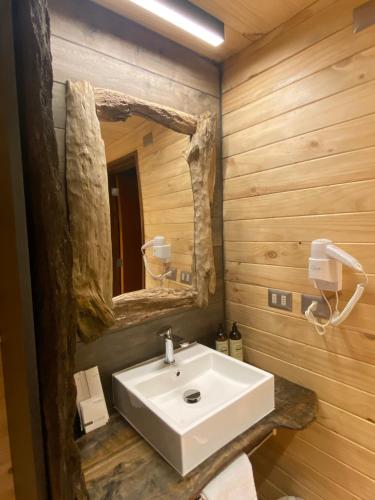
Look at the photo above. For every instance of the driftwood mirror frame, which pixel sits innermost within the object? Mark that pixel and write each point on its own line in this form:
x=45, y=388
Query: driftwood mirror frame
x=89, y=218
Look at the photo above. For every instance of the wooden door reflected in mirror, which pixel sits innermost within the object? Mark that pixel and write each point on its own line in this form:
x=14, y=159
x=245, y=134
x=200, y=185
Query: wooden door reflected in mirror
x=126, y=225
x=150, y=195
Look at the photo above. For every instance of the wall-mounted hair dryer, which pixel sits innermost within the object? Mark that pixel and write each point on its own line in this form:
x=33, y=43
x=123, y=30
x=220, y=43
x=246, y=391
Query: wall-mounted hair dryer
x=160, y=250
x=325, y=269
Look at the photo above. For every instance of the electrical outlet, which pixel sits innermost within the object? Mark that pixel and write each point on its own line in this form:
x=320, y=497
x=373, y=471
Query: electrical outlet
x=280, y=299
x=186, y=277
x=172, y=273
x=322, y=311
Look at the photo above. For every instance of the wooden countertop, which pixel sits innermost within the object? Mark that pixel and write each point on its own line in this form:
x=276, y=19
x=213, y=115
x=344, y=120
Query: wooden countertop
x=119, y=464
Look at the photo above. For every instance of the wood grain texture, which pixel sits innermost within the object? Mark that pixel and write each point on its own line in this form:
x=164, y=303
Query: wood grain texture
x=112, y=106
x=324, y=54
x=244, y=23
x=201, y=159
x=75, y=59
x=89, y=220
x=6, y=477
x=143, y=305
x=165, y=185
x=55, y=315
x=353, y=71
x=298, y=165
x=184, y=228
x=119, y=463
x=90, y=25
x=137, y=62
x=298, y=38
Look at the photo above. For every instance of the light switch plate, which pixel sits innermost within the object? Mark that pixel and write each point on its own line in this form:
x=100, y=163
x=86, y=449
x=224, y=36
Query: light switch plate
x=280, y=299
x=186, y=277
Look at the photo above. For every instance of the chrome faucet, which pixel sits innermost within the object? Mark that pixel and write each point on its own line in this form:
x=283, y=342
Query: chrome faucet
x=166, y=333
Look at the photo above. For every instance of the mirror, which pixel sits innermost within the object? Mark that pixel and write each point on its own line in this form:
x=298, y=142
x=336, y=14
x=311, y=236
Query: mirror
x=150, y=195
x=147, y=187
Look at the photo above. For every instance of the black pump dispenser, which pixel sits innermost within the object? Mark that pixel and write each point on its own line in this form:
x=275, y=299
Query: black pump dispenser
x=235, y=343
x=221, y=341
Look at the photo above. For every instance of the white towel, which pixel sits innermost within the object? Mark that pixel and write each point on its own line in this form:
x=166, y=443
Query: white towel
x=235, y=482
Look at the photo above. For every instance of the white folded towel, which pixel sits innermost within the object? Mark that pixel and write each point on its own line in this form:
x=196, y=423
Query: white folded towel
x=235, y=482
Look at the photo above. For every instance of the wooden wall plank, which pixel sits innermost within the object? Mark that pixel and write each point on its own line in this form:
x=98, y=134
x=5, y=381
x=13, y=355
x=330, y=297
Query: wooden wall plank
x=286, y=480
x=346, y=397
x=292, y=453
x=291, y=253
x=130, y=43
x=351, y=135
x=163, y=173
x=342, y=368
x=92, y=43
x=346, y=341
x=298, y=160
x=341, y=422
x=338, y=47
x=171, y=168
x=349, y=104
x=171, y=200
x=266, y=490
x=354, y=166
x=340, y=76
x=349, y=198
x=175, y=184
x=72, y=59
x=360, y=320
x=353, y=228
x=299, y=478
x=336, y=17
x=255, y=17
x=172, y=215
x=343, y=449
x=296, y=279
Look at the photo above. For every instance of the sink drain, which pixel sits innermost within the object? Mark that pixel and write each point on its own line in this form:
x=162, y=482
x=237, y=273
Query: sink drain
x=192, y=396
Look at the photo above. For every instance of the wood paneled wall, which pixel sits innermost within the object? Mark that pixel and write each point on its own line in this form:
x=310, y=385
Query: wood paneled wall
x=165, y=187
x=6, y=477
x=91, y=43
x=299, y=164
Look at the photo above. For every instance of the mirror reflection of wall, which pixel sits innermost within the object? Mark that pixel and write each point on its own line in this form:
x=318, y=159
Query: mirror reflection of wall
x=150, y=195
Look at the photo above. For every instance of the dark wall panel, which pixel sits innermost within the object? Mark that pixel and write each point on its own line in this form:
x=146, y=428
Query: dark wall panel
x=91, y=43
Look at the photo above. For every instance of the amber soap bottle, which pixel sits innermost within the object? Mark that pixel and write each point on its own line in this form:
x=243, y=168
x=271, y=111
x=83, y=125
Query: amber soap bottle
x=235, y=343
x=221, y=341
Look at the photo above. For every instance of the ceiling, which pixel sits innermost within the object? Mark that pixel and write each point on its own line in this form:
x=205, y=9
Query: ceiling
x=245, y=21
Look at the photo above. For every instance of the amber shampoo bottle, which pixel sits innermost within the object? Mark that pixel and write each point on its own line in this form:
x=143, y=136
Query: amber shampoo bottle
x=221, y=341
x=235, y=343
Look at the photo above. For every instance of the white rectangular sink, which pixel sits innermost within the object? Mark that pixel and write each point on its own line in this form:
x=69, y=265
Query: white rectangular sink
x=231, y=397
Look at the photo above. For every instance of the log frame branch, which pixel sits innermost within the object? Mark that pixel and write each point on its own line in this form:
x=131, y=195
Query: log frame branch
x=145, y=305
x=112, y=106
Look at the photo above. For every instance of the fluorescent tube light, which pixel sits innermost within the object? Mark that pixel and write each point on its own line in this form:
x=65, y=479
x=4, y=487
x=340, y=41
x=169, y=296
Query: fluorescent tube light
x=188, y=17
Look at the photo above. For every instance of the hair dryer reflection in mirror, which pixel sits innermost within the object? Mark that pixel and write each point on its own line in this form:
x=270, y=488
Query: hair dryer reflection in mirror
x=161, y=251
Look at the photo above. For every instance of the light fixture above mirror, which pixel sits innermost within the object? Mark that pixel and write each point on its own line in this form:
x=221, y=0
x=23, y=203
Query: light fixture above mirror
x=188, y=17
